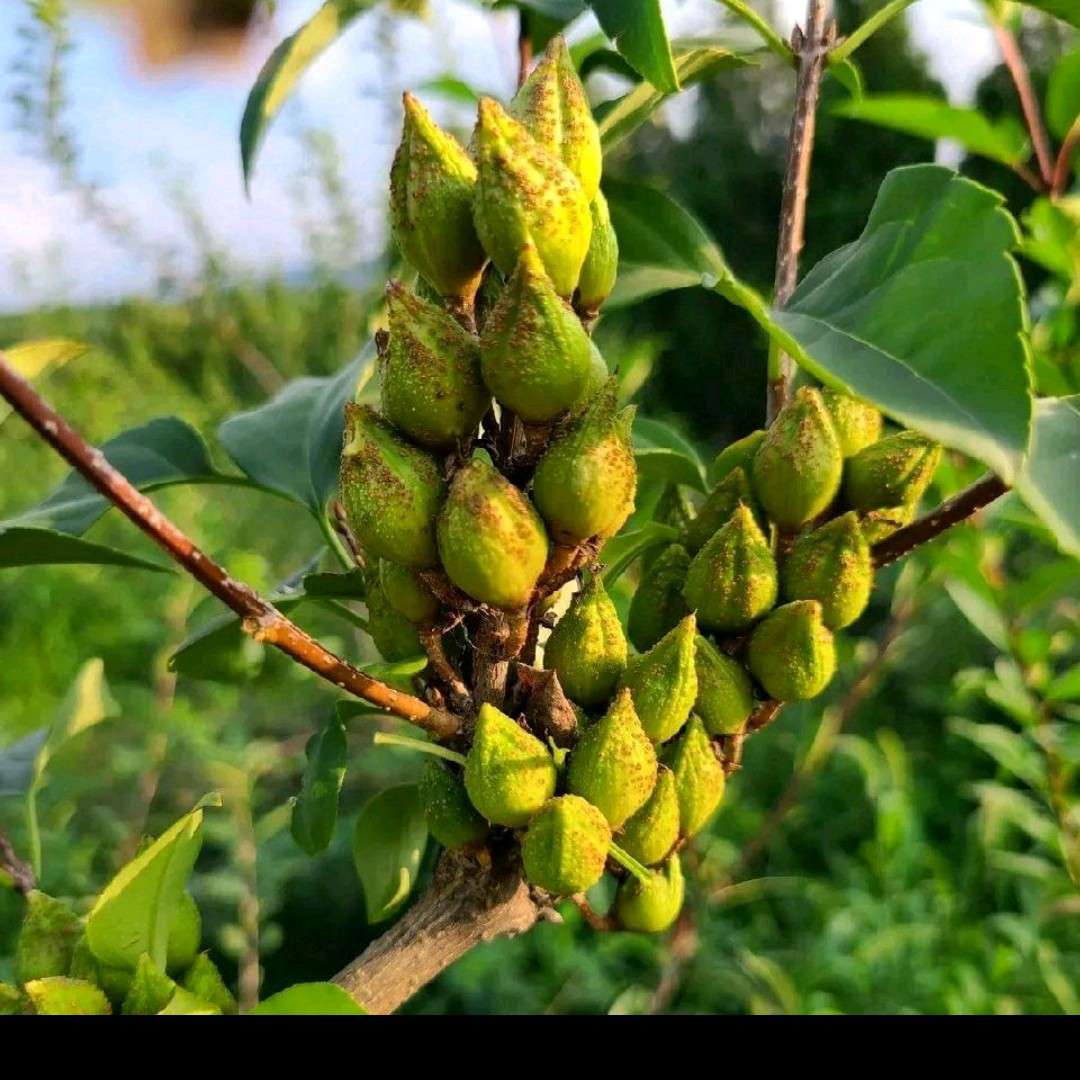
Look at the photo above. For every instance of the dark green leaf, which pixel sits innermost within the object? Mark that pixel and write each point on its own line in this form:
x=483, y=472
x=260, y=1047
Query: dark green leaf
x=315, y=812
x=620, y=551
x=309, y=999
x=1063, y=95
x=43, y=547
x=335, y=586
x=637, y=29
x=391, y=833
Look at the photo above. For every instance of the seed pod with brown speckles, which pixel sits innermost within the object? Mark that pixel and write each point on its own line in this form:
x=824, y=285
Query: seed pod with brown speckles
x=717, y=509
x=857, y=424
x=832, y=565
x=651, y=833
x=651, y=907
x=566, y=847
x=394, y=635
x=658, y=605
x=893, y=472
x=699, y=778
x=725, y=694
x=407, y=594
x=663, y=682
x=601, y=265
x=792, y=653
x=451, y=817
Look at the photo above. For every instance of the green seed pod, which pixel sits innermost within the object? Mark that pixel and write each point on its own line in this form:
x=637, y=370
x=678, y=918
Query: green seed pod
x=491, y=540
x=832, y=565
x=738, y=455
x=857, y=424
x=487, y=296
x=601, y=265
x=525, y=194
x=431, y=384
x=651, y=833
x=13, y=1002
x=509, y=773
x=391, y=490
x=432, y=189
x=792, y=653
x=893, y=472
x=151, y=990
x=725, y=694
x=451, y=818
x=798, y=466
x=588, y=648
x=717, y=509
x=554, y=108
x=598, y=376
x=614, y=764
x=731, y=582
x=663, y=682
x=204, y=981
x=406, y=593
x=47, y=938
x=699, y=778
x=535, y=355
x=658, y=605
x=185, y=933
x=651, y=908
x=566, y=847
x=394, y=636
x=585, y=483
x=878, y=524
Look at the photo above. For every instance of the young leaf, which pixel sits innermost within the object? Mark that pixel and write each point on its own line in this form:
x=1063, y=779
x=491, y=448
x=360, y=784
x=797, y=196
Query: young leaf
x=638, y=32
x=310, y=999
x=388, y=843
x=315, y=812
x=61, y=996
x=620, y=551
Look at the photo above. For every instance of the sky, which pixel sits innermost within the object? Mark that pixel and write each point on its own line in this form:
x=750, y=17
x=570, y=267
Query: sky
x=144, y=137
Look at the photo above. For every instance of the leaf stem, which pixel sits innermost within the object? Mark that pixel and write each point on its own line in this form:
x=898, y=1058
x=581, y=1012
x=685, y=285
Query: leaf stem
x=628, y=862
x=389, y=738
x=872, y=25
x=1029, y=102
x=334, y=541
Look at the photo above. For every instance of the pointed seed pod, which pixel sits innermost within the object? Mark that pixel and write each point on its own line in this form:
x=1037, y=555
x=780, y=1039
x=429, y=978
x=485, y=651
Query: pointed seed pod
x=699, y=778
x=406, y=593
x=587, y=648
x=535, y=355
x=451, y=818
x=651, y=833
x=204, y=981
x=432, y=189
x=792, y=653
x=798, y=466
x=857, y=424
x=878, y=524
x=47, y=938
x=491, y=540
x=431, y=384
x=614, y=764
x=738, y=455
x=393, y=634
x=553, y=107
x=525, y=194
x=893, y=472
x=832, y=565
x=725, y=694
x=185, y=934
x=598, y=376
x=566, y=846
x=717, y=509
x=151, y=990
x=663, y=682
x=391, y=490
x=509, y=774
x=731, y=582
x=585, y=483
x=658, y=605
x=601, y=265
x=651, y=908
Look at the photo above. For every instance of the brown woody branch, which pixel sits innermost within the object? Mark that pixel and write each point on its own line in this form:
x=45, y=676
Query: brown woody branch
x=260, y=618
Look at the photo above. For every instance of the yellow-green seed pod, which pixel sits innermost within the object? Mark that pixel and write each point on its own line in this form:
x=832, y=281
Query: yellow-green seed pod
x=585, y=483
x=732, y=582
x=699, y=778
x=878, y=524
x=651, y=908
x=601, y=265
x=204, y=981
x=857, y=423
x=509, y=773
x=663, y=682
x=717, y=509
x=651, y=833
x=492, y=542
x=432, y=190
x=893, y=472
x=151, y=989
x=798, y=466
x=658, y=605
x=566, y=847
x=832, y=565
x=738, y=455
x=725, y=694
x=487, y=296
x=554, y=108
x=185, y=934
x=47, y=938
x=393, y=634
x=525, y=194
x=390, y=489
x=431, y=384
x=13, y=1002
x=792, y=653
x=406, y=593
x=451, y=818
x=614, y=764
x=535, y=355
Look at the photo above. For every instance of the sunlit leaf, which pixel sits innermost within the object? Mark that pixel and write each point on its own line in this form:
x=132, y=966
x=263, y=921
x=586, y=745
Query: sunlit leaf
x=388, y=844
x=309, y=999
x=637, y=29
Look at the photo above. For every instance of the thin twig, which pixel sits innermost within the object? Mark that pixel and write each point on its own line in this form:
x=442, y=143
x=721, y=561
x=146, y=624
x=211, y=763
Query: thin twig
x=1029, y=102
x=21, y=873
x=1063, y=168
x=260, y=618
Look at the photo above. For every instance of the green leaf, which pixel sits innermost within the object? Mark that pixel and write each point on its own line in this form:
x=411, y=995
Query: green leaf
x=620, y=551
x=310, y=999
x=637, y=30
x=43, y=547
x=1065, y=687
x=133, y=914
x=282, y=71
x=1047, y=481
x=1000, y=140
x=1066, y=10
x=185, y=1003
x=1063, y=94
x=663, y=454
x=388, y=843
x=35, y=359
x=61, y=996
x=981, y=612
x=693, y=64
x=1052, y=239
x=292, y=444
x=1011, y=750
x=452, y=88
x=151, y=990
x=315, y=812
x=848, y=74
x=204, y=981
